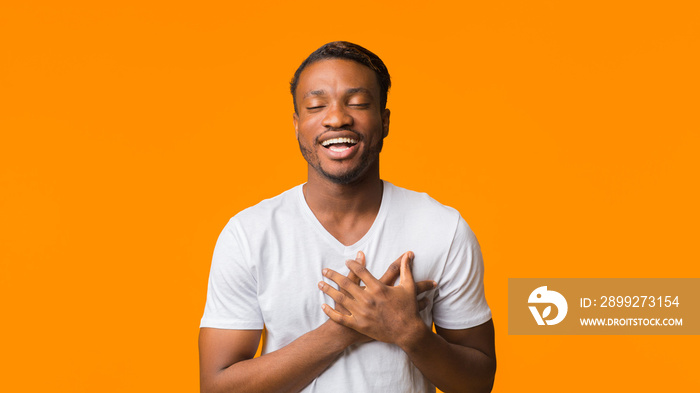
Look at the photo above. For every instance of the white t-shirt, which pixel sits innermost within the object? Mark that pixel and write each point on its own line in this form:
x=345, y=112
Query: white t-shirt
x=268, y=261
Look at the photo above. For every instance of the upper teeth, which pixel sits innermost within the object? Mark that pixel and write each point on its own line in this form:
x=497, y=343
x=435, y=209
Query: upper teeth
x=338, y=140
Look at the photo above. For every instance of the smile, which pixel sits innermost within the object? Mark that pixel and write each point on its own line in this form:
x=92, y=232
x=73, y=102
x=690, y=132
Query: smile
x=339, y=144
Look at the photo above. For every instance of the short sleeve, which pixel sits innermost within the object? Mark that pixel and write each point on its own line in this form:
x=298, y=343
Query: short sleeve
x=460, y=301
x=232, y=301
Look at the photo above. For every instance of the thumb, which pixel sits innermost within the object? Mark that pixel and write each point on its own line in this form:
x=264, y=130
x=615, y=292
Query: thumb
x=406, y=274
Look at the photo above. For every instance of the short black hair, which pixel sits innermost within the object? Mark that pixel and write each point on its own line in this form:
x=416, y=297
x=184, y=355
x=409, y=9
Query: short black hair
x=349, y=51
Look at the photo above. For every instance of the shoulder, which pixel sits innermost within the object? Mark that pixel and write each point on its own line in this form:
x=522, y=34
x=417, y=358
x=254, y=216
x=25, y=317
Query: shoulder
x=421, y=206
x=262, y=215
x=425, y=220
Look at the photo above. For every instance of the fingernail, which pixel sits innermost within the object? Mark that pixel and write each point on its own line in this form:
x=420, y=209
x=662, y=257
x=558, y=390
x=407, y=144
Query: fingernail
x=434, y=284
x=320, y=285
x=325, y=271
x=359, y=255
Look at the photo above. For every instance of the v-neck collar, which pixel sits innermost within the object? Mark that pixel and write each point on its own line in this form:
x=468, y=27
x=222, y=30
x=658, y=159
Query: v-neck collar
x=330, y=239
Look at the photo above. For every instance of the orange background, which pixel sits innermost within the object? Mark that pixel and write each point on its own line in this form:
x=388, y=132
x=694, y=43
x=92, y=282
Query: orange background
x=566, y=133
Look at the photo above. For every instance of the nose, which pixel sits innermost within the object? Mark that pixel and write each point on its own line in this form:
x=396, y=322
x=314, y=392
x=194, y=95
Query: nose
x=337, y=117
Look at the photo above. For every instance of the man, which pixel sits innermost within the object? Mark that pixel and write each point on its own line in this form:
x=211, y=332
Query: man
x=276, y=265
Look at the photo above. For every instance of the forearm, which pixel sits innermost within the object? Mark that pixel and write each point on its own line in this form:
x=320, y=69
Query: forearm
x=450, y=367
x=288, y=369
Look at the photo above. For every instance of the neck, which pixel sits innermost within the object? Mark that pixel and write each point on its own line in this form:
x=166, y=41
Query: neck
x=346, y=211
x=327, y=198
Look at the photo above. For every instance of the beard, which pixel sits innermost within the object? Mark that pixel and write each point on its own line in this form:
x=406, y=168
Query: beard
x=368, y=157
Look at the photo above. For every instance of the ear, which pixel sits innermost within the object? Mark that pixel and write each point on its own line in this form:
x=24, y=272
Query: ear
x=385, y=122
x=295, y=120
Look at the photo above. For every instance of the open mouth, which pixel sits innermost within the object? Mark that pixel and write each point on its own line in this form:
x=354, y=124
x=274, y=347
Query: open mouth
x=339, y=144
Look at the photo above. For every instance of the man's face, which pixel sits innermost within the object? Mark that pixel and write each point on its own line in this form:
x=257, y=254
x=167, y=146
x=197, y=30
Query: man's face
x=340, y=125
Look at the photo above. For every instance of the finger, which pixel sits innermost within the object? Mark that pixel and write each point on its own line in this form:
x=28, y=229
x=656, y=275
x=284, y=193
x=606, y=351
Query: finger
x=342, y=299
x=363, y=273
x=423, y=286
x=392, y=272
x=406, y=274
x=344, y=283
x=360, y=258
x=423, y=303
x=345, y=320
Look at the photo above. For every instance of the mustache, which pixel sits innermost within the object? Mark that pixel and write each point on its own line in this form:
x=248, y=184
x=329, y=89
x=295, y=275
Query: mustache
x=348, y=129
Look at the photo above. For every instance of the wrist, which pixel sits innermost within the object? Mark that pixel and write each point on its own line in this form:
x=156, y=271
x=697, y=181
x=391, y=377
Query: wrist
x=340, y=336
x=414, y=336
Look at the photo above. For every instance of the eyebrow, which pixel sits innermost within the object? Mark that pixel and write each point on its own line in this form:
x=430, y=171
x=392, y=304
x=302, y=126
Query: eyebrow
x=315, y=93
x=351, y=91
x=355, y=90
